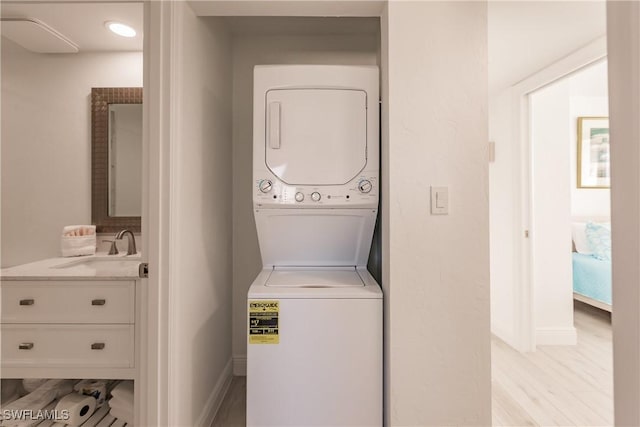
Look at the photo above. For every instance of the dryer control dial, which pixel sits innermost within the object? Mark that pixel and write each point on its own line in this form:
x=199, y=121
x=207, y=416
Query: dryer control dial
x=299, y=197
x=365, y=186
x=265, y=185
x=315, y=196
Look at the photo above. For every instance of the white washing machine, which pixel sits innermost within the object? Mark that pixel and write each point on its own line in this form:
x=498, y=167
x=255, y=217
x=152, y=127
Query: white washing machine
x=314, y=333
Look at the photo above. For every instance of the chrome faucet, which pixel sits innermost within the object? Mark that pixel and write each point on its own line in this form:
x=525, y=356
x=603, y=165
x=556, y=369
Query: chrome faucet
x=131, y=249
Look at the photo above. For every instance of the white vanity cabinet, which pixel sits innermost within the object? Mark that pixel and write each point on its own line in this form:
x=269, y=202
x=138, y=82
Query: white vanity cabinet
x=68, y=328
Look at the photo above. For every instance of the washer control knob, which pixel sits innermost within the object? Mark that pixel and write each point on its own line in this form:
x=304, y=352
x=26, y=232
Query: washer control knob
x=315, y=196
x=265, y=185
x=365, y=186
x=299, y=197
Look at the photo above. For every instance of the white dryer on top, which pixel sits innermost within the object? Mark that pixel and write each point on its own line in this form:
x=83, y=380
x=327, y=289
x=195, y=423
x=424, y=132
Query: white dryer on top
x=315, y=163
x=316, y=130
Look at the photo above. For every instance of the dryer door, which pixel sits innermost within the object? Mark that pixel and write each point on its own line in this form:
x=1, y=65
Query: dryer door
x=316, y=136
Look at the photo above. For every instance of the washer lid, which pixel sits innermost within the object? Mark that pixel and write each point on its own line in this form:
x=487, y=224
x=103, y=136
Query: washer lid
x=315, y=237
x=314, y=278
x=316, y=136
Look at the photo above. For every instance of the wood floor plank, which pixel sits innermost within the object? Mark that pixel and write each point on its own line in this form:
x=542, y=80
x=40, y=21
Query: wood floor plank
x=557, y=385
x=514, y=374
x=232, y=412
x=506, y=411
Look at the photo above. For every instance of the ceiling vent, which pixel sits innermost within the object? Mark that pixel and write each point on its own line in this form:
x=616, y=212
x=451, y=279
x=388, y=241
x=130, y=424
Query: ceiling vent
x=36, y=36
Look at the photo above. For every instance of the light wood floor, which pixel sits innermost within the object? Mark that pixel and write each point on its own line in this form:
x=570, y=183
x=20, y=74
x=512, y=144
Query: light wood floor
x=554, y=386
x=232, y=412
x=557, y=385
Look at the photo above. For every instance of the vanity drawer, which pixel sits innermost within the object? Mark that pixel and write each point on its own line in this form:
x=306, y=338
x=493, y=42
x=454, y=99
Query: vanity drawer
x=108, y=346
x=68, y=302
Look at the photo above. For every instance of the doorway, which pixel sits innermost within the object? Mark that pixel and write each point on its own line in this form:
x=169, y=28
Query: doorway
x=571, y=366
x=531, y=218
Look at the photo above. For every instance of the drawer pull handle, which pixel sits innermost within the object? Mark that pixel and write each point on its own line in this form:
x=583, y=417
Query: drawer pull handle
x=25, y=346
x=98, y=302
x=97, y=346
x=28, y=301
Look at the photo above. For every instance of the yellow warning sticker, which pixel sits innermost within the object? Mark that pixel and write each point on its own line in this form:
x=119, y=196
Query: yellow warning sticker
x=263, y=322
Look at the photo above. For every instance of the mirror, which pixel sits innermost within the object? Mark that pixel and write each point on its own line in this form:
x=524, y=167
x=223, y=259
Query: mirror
x=125, y=159
x=116, y=158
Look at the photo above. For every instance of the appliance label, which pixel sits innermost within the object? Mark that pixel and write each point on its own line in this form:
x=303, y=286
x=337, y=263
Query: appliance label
x=263, y=322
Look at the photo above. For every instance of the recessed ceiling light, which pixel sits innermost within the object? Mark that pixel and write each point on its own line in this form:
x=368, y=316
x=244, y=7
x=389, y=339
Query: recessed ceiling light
x=120, y=29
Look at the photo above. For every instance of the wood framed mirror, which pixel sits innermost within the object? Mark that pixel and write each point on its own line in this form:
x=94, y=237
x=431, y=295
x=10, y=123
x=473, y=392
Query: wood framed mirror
x=116, y=158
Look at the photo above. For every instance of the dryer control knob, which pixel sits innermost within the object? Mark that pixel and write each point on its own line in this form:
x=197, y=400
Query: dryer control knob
x=315, y=196
x=265, y=185
x=365, y=186
x=299, y=197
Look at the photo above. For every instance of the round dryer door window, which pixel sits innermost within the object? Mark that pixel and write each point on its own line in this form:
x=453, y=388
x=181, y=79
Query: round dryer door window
x=316, y=136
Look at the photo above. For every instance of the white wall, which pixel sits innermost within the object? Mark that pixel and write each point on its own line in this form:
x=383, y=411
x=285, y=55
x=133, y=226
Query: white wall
x=551, y=221
x=250, y=50
x=623, y=19
x=437, y=276
x=201, y=269
x=46, y=143
x=525, y=36
x=502, y=218
x=588, y=98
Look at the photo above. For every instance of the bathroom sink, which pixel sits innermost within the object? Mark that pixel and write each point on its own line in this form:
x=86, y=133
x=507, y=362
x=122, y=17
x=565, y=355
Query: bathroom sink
x=101, y=263
x=104, y=266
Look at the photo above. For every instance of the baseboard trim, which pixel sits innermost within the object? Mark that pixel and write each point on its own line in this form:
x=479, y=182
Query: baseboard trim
x=240, y=366
x=556, y=336
x=216, y=397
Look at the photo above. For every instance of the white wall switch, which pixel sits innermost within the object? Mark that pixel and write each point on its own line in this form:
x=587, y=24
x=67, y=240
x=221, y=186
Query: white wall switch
x=439, y=200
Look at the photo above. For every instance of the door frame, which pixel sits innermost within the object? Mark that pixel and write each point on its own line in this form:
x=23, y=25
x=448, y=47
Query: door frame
x=155, y=369
x=523, y=298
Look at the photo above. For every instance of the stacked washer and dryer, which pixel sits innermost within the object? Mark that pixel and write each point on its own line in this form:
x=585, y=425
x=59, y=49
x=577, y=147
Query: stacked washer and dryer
x=314, y=311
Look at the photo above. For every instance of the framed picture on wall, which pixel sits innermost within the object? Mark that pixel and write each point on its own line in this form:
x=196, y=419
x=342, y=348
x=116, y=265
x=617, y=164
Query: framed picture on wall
x=593, y=152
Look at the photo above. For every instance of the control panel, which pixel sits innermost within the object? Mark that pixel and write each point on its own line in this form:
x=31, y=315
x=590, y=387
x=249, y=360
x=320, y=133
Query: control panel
x=362, y=191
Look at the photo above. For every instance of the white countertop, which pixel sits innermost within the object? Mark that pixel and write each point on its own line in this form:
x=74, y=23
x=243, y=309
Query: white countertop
x=99, y=266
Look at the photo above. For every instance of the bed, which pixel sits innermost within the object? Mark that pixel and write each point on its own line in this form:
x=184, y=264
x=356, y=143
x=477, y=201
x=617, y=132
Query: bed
x=592, y=263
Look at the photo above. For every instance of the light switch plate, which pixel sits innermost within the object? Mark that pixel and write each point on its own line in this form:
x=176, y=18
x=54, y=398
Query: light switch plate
x=439, y=200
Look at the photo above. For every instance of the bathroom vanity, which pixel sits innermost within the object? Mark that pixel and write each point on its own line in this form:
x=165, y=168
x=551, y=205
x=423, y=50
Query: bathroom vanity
x=71, y=318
